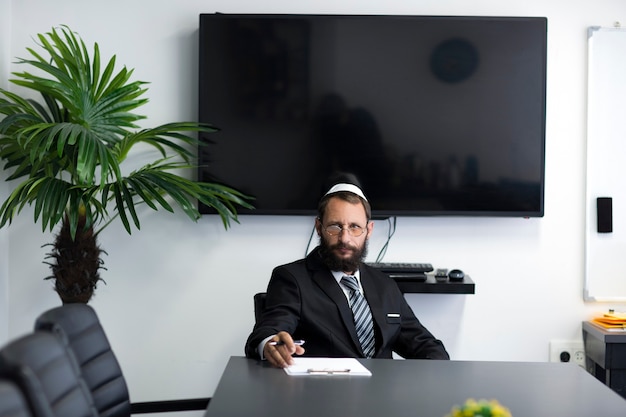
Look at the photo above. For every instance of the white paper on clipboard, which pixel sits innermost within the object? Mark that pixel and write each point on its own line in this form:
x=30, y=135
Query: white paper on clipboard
x=327, y=366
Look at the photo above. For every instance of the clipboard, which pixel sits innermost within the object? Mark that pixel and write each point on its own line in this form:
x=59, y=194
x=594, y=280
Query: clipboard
x=304, y=366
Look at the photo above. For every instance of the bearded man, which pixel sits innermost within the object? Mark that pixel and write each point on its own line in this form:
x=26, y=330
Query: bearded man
x=333, y=302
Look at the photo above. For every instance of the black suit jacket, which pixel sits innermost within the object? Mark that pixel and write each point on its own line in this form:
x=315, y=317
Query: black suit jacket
x=305, y=300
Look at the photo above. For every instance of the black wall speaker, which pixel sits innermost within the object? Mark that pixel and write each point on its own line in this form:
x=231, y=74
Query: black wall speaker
x=605, y=214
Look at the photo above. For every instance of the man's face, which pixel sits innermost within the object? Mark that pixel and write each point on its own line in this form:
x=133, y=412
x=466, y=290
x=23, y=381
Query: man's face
x=343, y=251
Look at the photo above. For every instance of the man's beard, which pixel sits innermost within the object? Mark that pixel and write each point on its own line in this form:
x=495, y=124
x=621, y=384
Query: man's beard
x=334, y=263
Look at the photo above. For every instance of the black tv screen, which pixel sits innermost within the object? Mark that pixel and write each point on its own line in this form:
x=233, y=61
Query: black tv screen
x=435, y=115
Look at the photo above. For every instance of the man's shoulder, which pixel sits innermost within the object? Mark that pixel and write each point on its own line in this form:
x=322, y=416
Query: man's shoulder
x=291, y=265
x=377, y=277
x=364, y=267
x=310, y=265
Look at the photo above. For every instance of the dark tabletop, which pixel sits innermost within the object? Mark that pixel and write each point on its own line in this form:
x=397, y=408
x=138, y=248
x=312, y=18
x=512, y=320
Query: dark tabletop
x=413, y=388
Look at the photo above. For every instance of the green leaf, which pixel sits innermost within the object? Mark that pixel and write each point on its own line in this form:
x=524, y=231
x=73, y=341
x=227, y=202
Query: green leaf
x=63, y=152
x=119, y=199
x=129, y=204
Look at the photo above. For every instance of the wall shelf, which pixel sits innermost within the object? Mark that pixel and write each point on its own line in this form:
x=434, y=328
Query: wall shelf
x=431, y=286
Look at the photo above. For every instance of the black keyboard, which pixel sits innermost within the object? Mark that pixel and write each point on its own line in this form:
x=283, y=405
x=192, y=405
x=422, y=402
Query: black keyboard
x=401, y=267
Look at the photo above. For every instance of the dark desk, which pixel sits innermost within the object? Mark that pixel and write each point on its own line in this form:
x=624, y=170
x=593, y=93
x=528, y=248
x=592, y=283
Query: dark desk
x=606, y=356
x=413, y=388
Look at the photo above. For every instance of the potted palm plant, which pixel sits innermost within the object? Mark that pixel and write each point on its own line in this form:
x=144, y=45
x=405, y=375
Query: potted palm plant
x=65, y=153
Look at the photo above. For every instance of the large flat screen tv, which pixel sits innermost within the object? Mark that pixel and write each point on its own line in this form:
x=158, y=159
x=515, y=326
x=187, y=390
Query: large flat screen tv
x=435, y=115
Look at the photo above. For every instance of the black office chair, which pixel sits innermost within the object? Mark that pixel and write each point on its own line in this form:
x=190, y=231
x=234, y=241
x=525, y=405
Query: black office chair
x=259, y=304
x=12, y=400
x=78, y=326
x=48, y=375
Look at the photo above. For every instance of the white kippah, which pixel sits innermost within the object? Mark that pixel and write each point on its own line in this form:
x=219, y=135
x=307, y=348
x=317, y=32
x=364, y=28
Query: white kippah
x=351, y=188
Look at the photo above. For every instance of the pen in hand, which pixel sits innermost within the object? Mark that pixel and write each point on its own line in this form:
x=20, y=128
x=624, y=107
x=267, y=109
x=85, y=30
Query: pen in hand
x=280, y=343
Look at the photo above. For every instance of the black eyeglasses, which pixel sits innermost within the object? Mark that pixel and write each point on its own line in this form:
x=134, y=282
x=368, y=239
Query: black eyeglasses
x=335, y=230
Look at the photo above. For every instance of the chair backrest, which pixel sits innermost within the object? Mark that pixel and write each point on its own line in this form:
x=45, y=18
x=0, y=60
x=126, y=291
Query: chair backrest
x=12, y=400
x=78, y=326
x=259, y=304
x=48, y=374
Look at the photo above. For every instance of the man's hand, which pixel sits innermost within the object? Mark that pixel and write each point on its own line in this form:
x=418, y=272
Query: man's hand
x=280, y=355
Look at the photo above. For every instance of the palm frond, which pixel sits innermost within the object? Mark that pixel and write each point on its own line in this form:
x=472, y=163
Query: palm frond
x=154, y=184
x=160, y=138
x=68, y=148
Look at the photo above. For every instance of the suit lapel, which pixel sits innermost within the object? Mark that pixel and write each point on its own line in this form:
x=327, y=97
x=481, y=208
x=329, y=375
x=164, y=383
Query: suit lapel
x=327, y=283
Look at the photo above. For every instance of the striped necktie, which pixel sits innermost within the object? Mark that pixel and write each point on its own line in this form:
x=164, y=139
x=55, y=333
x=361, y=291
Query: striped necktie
x=362, y=315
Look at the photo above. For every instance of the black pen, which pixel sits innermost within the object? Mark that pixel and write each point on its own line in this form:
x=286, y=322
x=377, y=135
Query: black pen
x=295, y=342
x=328, y=371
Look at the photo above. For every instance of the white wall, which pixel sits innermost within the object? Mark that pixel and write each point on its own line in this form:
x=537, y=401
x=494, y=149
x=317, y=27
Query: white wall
x=178, y=298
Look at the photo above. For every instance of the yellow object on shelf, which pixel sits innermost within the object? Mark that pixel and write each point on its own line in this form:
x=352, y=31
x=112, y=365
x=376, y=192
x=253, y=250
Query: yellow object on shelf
x=611, y=320
x=615, y=316
x=608, y=325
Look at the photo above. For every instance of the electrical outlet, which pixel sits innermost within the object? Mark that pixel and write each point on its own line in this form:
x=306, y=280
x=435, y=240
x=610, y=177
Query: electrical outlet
x=567, y=351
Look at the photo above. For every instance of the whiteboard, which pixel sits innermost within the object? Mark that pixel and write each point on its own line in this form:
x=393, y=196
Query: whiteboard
x=605, y=257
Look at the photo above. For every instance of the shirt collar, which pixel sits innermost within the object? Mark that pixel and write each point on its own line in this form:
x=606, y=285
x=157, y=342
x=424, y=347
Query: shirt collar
x=339, y=274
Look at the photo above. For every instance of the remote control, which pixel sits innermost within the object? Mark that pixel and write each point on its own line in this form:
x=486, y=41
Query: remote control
x=441, y=275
